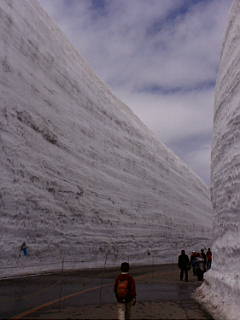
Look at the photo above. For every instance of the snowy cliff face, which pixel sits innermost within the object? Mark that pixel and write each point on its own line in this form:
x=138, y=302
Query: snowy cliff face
x=221, y=289
x=80, y=174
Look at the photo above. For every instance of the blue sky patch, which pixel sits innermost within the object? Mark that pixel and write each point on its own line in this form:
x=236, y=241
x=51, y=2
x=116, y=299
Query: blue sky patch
x=180, y=89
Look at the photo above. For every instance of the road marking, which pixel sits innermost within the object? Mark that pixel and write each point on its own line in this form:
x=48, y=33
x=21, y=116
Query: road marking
x=45, y=305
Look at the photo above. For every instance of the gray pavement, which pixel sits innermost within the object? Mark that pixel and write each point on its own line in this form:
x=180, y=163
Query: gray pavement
x=157, y=288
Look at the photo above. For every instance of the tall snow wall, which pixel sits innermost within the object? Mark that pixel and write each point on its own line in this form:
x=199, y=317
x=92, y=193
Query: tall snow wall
x=81, y=176
x=221, y=289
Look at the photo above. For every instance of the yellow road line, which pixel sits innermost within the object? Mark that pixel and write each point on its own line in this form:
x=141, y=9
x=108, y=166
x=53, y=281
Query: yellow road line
x=45, y=305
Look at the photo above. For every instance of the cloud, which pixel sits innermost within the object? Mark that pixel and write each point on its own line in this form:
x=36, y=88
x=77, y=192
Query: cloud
x=198, y=158
x=159, y=57
x=174, y=117
x=177, y=52
x=183, y=121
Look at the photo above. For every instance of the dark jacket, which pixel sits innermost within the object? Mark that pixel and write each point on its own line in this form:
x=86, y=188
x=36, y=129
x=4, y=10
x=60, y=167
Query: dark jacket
x=203, y=255
x=209, y=255
x=131, y=286
x=183, y=261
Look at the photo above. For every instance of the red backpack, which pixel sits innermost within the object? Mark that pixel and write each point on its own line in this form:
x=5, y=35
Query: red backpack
x=123, y=290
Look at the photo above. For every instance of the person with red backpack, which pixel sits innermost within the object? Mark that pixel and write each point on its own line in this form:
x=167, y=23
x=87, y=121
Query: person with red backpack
x=125, y=292
x=209, y=258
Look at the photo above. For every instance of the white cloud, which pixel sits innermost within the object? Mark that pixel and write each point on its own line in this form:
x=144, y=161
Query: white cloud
x=198, y=159
x=139, y=45
x=183, y=121
x=174, y=117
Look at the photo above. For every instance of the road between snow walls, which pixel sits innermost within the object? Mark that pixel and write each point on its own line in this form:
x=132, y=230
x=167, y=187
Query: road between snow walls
x=83, y=181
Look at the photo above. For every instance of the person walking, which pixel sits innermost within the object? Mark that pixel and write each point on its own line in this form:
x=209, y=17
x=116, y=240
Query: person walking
x=199, y=266
x=125, y=292
x=209, y=259
x=193, y=261
x=203, y=255
x=184, y=265
x=24, y=249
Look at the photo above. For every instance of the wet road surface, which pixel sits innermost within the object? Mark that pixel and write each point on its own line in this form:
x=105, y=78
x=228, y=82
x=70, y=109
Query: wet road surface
x=89, y=295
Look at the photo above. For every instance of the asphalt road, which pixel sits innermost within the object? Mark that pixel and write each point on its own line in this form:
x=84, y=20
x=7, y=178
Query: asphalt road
x=89, y=295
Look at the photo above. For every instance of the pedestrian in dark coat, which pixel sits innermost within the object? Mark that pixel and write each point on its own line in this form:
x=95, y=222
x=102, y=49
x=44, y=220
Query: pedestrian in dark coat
x=203, y=255
x=184, y=265
x=125, y=292
x=209, y=259
x=193, y=261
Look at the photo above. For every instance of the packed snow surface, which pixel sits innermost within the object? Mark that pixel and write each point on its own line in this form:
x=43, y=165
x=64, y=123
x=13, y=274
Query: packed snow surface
x=82, y=178
x=221, y=289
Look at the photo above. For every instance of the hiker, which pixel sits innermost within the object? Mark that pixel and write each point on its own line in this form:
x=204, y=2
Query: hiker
x=199, y=266
x=203, y=255
x=125, y=292
x=24, y=249
x=209, y=259
x=184, y=265
x=193, y=261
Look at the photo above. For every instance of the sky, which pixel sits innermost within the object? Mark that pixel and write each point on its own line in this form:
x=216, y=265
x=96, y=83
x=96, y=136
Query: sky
x=160, y=57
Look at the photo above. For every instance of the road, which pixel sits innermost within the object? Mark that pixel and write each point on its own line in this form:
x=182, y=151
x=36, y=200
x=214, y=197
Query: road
x=89, y=295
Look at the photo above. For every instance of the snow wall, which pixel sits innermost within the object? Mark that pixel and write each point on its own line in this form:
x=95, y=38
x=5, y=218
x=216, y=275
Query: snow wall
x=82, y=179
x=221, y=289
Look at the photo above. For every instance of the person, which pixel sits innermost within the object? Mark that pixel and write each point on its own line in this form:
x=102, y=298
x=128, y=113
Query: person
x=209, y=259
x=203, y=255
x=199, y=266
x=125, y=292
x=24, y=249
x=193, y=260
x=184, y=265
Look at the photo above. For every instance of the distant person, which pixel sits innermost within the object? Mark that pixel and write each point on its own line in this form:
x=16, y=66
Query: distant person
x=184, y=265
x=203, y=255
x=209, y=259
x=125, y=292
x=193, y=261
x=199, y=266
x=24, y=249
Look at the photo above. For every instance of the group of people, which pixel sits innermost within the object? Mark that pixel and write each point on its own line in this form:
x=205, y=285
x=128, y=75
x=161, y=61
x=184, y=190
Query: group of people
x=125, y=289
x=200, y=262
